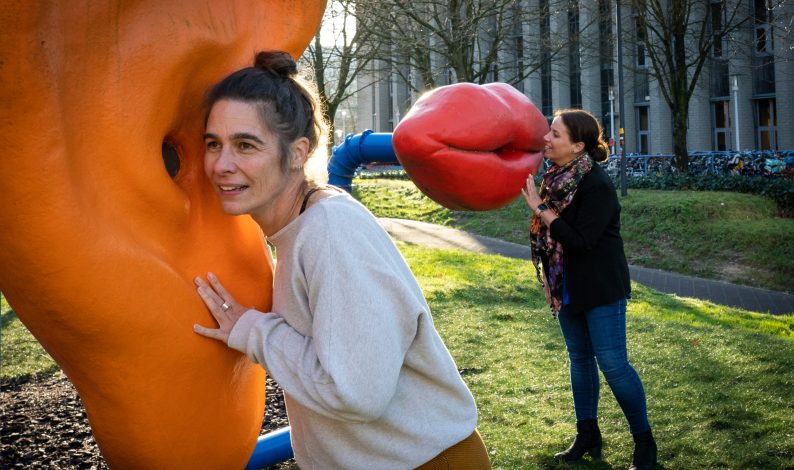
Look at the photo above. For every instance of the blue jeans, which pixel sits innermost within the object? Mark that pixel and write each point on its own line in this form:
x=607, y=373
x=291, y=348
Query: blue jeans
x=597, y=339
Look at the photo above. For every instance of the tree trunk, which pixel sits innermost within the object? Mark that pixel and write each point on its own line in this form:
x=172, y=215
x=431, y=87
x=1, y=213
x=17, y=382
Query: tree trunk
x=680, y=121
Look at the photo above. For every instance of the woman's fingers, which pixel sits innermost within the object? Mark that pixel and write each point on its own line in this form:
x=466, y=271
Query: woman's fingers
x=220, y=303
x=214, y=294
x=531, y=194
x=226, y=297
x=210, y=298
x=213, y=333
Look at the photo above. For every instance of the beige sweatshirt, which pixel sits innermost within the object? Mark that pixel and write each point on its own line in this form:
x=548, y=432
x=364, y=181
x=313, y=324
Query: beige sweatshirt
x=368, y=382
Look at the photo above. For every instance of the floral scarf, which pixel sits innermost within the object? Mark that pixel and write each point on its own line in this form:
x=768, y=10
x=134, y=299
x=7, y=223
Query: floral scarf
x=557, y=191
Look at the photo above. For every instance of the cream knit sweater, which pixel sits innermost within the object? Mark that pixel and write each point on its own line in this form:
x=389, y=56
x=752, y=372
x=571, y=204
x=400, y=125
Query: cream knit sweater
x=368, y=382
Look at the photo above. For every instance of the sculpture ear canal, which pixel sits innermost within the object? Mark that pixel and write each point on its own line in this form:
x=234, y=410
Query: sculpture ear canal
x=170, y=159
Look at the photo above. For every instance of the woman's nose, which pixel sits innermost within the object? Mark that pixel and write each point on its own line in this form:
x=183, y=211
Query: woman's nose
x=224, y=162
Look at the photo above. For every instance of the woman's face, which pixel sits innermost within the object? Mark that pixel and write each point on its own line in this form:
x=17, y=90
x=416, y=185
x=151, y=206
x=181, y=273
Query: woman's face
x=559, y=148
x=242, y=159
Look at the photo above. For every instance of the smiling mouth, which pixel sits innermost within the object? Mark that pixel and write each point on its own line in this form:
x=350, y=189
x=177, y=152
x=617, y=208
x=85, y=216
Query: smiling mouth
x=231, y=189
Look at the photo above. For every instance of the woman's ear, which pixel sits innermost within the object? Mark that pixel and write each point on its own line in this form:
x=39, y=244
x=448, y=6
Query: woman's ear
x=578, y=147
x=299, y=150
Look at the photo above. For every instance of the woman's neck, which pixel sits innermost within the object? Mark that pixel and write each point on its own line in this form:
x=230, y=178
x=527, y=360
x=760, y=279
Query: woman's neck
x=569, y=160
x=284, y=210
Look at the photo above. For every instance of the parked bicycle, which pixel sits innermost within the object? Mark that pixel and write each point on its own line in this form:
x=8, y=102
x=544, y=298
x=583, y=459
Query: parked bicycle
x=745, y=163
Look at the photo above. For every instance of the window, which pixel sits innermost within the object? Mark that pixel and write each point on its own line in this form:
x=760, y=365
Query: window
x=546, y=106
x=607, y=82
x=390, y=104
x=606, y=49
x=763, y=39
x=519, y=45
x=762, y=19
x=717, y=12
x=766, y=124
x=719, y=79
x=519, y=57
x=606, y=52
x=642, y=81
x=762, y=10
x=642, y=55
x=574, y=62
x=721, y=117
x=643, y=130
x=764, y=75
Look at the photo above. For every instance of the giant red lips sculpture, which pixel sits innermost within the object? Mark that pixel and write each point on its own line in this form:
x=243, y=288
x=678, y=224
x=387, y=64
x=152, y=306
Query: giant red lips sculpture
x=470, y=146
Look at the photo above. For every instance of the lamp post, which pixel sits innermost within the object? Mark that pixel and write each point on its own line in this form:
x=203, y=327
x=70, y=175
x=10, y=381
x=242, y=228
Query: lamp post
x=344, y=122
x=623, y=190
x=611, y=120
x=735, y=89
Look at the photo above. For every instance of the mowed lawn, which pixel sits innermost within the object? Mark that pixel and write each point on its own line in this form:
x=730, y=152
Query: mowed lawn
x=720, y=381
x=718, y=235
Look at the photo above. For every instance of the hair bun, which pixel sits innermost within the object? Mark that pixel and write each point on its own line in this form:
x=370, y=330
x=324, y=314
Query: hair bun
x=277, y=62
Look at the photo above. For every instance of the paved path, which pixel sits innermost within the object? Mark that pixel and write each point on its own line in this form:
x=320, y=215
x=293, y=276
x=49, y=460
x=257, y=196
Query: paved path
x=719, y=292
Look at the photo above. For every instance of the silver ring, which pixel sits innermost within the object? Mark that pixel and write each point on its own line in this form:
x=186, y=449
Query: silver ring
x=225, y=306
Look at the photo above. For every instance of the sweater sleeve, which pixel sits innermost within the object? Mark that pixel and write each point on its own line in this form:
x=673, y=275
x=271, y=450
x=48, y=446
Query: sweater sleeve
x=365, y=316
x=596, y=206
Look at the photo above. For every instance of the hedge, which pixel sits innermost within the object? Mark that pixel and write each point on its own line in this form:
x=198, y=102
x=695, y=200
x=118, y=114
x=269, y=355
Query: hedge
x=780, y=190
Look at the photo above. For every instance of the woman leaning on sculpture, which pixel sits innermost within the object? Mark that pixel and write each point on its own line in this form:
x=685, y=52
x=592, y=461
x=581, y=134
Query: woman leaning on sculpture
x=575, y=238
x=367, y=381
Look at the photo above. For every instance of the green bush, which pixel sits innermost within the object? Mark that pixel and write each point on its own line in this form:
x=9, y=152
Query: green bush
x=779, y=190
x=383, y=174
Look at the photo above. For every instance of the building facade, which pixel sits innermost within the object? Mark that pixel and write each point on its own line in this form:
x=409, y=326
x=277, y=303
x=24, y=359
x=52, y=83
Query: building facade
x=743, y=99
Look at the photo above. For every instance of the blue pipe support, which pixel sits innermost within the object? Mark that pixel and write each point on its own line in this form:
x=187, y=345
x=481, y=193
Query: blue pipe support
x=271, y=448
x=356, y=150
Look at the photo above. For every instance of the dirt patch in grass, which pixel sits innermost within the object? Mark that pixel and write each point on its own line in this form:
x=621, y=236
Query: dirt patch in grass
x=43, y=425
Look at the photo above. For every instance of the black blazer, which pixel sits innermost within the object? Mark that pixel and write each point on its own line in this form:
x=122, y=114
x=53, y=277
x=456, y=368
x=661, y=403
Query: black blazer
x=596, y=271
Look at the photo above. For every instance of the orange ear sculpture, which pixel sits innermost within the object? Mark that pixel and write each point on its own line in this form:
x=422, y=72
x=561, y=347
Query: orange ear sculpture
x=99, y=244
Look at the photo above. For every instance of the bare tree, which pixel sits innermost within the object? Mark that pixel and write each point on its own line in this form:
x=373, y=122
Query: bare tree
x=473, y=40
x=342, y=48
x=679, y=37
x=767, y=36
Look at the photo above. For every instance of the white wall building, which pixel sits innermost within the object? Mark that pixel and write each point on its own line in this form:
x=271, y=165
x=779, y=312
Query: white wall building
x=749, y=76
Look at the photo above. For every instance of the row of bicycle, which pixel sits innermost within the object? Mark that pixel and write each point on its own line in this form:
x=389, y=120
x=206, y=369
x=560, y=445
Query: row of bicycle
x=748, y=163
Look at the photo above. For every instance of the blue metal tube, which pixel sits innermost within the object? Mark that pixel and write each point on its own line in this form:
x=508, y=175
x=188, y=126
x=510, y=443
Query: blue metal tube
x=271, y=448
x=358, y=149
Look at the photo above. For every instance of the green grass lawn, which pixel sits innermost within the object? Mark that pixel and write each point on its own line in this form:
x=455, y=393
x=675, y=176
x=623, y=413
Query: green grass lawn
x=727, y=236
x=21, y=356
x=719, y=380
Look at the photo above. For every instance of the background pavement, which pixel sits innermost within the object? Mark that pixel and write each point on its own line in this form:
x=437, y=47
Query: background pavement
x=719, y=292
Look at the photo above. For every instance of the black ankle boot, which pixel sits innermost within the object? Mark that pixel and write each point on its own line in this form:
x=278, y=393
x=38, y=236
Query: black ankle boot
x=588, y=440
x=644, y=451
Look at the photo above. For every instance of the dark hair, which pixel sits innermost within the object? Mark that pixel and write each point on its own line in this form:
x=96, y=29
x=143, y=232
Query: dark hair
x=289, y=106
x=584, y=127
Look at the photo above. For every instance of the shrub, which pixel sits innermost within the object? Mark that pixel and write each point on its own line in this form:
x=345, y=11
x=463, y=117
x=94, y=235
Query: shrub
x=383, y=174
x=778, y=189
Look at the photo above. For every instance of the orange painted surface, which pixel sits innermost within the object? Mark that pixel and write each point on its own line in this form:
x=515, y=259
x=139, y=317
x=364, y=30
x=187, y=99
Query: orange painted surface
x=99, y=245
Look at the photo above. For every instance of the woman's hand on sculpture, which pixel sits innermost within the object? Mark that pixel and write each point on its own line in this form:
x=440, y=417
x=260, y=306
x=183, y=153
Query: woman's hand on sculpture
x=221, y=304
x=531, y=194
